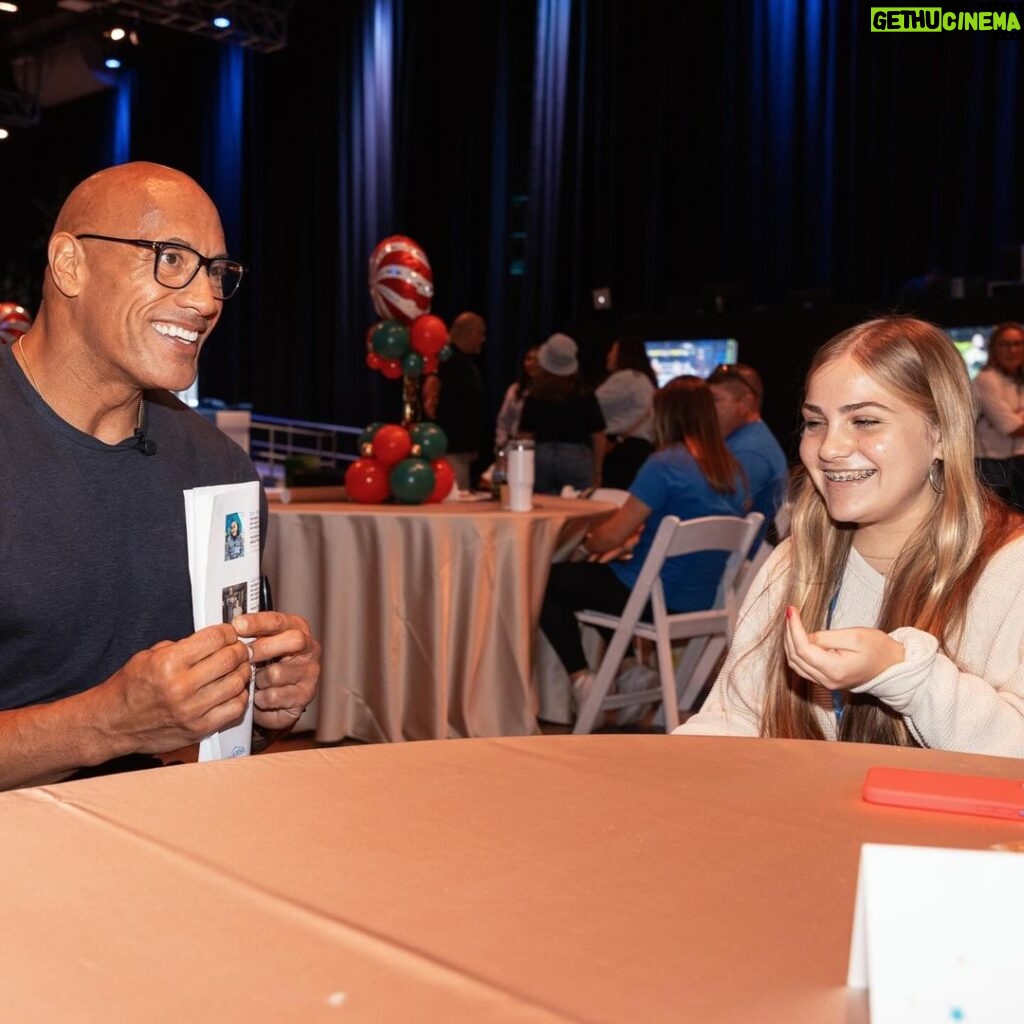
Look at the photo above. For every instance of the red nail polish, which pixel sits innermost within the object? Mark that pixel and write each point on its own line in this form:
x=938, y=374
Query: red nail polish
x=789, y=611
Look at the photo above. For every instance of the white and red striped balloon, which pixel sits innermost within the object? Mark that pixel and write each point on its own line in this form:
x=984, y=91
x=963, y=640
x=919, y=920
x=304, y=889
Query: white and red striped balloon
x=14, y=322
x=401, y=281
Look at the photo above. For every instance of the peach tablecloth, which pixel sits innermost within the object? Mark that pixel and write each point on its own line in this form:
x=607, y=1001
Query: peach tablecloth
x=613, y=878
x=427, y=614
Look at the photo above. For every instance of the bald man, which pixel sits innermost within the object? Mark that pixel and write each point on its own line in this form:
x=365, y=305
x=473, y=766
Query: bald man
x=99, y=664
x=456, y=399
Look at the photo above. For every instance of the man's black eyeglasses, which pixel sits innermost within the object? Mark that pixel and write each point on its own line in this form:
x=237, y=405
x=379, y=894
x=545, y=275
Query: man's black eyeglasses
x=175, y=265
x=726, y=371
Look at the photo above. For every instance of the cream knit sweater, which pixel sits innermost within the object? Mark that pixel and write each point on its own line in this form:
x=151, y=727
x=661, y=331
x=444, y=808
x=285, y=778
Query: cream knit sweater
x=973, y=704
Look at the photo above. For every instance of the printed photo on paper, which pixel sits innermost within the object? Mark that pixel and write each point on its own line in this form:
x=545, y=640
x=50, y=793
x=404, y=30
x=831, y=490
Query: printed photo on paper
x=234, y=599
x=234, y=538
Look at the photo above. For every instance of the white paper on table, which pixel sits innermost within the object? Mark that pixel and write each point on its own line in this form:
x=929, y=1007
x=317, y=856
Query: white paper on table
x=938, y=935
x=225, y=573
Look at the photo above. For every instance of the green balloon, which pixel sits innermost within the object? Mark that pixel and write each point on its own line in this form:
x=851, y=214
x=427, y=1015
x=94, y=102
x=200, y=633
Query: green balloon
x=412, y=364
x=412, y=481
x=431, y=439
x=390, y=339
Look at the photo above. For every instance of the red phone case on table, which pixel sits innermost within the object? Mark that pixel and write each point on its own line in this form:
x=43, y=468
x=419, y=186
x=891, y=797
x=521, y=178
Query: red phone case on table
x=937, y=791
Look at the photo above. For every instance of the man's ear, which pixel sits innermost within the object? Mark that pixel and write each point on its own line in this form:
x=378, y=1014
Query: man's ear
x=67, y=264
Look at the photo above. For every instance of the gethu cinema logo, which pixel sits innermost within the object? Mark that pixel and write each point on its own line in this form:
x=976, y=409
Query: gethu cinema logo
x=935, y=19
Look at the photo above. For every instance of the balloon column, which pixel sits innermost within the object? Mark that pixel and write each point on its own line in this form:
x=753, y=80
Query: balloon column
x=14, y=322
x=404, y=462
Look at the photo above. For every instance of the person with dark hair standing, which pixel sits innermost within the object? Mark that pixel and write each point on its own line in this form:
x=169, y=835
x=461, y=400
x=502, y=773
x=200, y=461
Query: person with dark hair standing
x=999, y=431
x=894, y=610
x=627, y=402
x=692, y=474
x=564, y=420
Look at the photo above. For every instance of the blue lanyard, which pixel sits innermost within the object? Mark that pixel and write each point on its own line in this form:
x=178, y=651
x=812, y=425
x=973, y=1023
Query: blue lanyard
x=838, y=696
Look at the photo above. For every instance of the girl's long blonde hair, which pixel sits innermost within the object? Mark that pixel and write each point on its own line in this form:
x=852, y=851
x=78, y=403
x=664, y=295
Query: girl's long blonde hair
x=931, y=581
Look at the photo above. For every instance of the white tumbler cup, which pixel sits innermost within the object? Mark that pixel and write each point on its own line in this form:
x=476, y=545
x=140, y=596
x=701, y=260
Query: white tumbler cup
x=520, y=475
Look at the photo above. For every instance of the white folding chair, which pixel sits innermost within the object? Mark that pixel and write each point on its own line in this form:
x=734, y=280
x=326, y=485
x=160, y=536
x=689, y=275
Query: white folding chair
x=703, y=654
x=729, y=534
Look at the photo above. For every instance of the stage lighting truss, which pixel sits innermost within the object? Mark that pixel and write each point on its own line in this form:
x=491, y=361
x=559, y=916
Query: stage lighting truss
x=260, y=25
x=118, y=46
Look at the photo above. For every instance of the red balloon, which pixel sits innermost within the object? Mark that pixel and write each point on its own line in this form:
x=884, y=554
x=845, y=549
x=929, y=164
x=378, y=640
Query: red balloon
x=373, y=360
x=391, y=368
x=428, y=335
x=444, y=478
x=430, y=364
x=391, y=444
x=366, y=481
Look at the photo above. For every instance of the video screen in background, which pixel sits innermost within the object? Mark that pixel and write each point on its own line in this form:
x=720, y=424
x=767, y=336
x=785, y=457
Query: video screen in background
x=695, y=356
x=972, y=344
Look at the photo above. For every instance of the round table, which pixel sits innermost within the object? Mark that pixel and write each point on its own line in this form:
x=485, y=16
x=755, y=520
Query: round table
x=427, y=613
x=547, y=878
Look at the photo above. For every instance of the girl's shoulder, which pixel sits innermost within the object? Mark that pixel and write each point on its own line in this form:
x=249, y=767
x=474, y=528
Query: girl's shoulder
x=776, y=565
x=1006, y=563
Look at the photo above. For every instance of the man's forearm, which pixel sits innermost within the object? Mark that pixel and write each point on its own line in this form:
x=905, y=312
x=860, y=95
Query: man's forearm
x=46, y=742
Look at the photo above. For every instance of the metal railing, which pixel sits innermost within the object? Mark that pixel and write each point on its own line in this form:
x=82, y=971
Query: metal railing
x=273, y=440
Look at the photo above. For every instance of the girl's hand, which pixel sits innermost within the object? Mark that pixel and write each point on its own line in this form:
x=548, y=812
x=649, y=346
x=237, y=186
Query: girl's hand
x=839, y=659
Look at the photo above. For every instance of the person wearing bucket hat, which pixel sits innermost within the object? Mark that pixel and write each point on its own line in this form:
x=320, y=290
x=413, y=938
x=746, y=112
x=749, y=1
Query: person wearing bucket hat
x=564, y=420
x=558, y=356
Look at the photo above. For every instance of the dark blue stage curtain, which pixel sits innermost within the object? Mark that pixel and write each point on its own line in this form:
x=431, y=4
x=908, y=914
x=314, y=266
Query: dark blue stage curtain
x=223, y=172
x=670, y=149
x=547, y=137
x=121, y=120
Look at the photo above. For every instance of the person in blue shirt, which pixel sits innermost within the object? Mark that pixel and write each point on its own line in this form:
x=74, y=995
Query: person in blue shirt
x=738, y=391
x=691, y=474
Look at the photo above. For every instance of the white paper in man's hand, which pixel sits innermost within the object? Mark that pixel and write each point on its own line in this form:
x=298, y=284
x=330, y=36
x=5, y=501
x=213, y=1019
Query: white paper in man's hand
x=223, y=526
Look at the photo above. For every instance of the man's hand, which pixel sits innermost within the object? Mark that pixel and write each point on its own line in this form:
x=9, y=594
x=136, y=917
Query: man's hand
x=174, y=694
x=839, y=659
x=287, y=660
